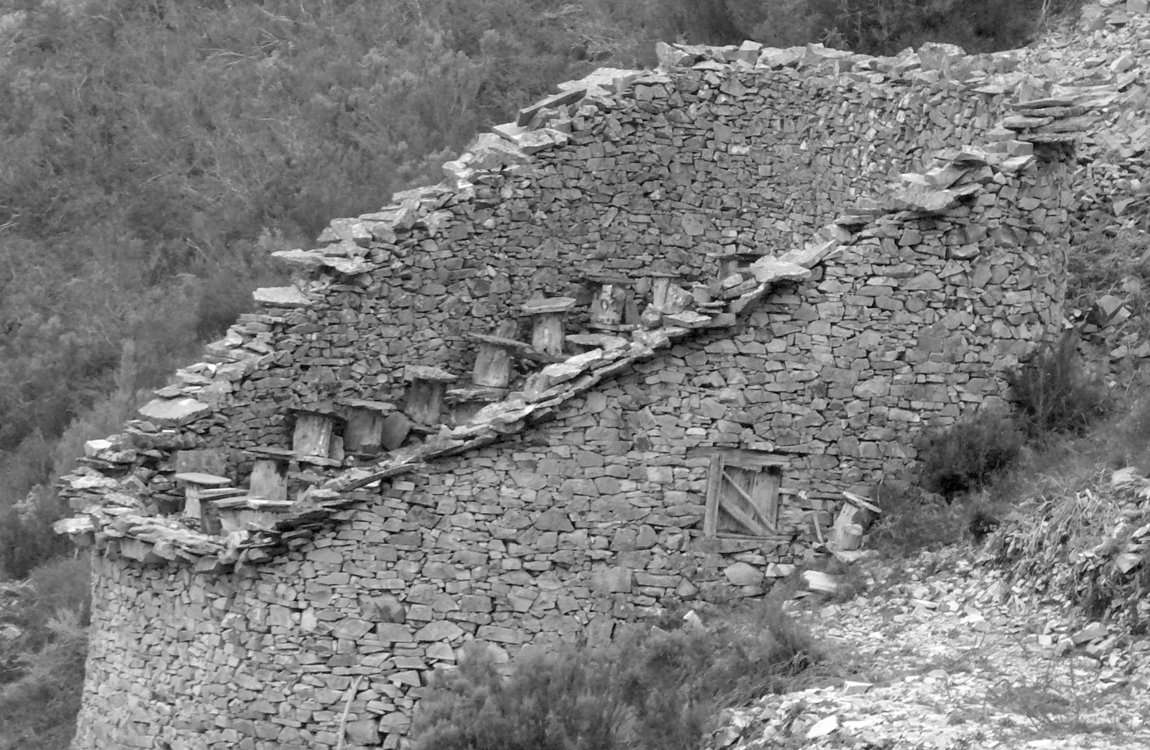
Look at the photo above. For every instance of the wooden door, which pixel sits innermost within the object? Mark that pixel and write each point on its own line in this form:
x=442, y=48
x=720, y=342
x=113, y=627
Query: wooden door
x=742, y=500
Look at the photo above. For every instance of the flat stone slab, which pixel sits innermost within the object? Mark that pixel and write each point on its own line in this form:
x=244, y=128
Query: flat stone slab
x=421, y=372
x=174, y=412
x=380, y=407
x=770, y=269
x=597, y=340
x=919, y=198
x=348, y=266
x=614, y=279
x=570, y=96
x=499, y=341
x=270, y=451
x=687, y=319
x=1052, y=137
x=1022, y=122
x=810, y=255
x=551, y=305
x=476, y=393
x=201, y=479
x=303, y=258
x=1044, y=103
x=281, y=296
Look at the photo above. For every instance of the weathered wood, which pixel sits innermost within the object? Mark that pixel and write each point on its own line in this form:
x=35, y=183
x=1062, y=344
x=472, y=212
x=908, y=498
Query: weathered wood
x=426, y=389
x=269, y=479
x=762, y=520
x=607, y=305
x=711, y=519
x=195, y=485
x=852, y=522
x=547, y=316
x=493, y=360
x=751, y=524
x=423, y=401
x=742, y=495
x=312, y=435
x=547, y=335
x=364, y=430
x=660, y=287
x=731, y=262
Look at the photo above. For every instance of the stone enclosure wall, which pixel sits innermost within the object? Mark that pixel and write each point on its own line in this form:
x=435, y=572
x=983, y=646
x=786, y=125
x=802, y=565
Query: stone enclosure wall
x=581, y=504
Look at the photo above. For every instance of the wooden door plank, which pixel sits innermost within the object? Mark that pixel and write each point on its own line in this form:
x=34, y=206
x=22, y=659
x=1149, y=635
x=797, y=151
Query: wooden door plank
x=766, y=493
x=763, y=520
x=711, y=519
x=751, y=524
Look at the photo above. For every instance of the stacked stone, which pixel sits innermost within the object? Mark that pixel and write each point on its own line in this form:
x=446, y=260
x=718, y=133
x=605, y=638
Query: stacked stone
x=379, y=274
x=831, y=351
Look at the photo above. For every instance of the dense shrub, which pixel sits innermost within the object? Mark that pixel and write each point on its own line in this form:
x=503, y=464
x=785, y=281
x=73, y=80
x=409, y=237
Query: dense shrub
x=1054, y=391
x=966, y=455
x=649, y=689
x=913, y=519
x=42, y=665
x=38, y=710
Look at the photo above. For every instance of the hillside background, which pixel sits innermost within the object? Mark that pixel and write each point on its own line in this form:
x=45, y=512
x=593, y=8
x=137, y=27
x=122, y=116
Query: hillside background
x=153, y=154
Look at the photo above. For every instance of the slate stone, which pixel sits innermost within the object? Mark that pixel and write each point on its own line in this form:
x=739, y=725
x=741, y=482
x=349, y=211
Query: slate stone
x=439, y=630
x=174, y=412
x=743, y=574
x=281, y=296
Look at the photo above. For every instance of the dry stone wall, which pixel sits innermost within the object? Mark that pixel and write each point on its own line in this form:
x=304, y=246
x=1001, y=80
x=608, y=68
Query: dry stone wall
x=716, y=159
x=576, y=502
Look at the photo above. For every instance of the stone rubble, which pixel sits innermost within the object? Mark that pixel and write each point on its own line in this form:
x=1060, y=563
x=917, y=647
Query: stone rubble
x=946, y=655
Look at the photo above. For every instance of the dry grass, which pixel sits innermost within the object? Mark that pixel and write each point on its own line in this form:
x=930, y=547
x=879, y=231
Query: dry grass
x=1079, y=514
x=1053, y=705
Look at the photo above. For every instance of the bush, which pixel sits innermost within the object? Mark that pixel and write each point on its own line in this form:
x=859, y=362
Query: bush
x=38, y=710
x=913, y=519
x=968, y=454
x=42, y=666
x=1054, y=391
x=653, y=689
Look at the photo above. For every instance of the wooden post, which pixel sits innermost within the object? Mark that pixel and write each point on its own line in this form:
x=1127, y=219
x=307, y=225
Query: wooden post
x=426, y=389
x=855, y=516
x=493, y=357
x=364, y=431
x=313, y=431
x=241, y=513
x=660, y=286
x=668, y=298
x=733, y=261
x=608, y=302
x=585, y=342
x=196, y=486
x=269, y=479
x=547, y=314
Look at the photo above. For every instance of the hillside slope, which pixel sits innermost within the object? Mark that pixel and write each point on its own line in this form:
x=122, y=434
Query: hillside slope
x=1038, y=639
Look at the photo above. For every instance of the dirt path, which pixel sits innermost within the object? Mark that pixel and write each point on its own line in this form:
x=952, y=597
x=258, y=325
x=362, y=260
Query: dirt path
x=942, y=654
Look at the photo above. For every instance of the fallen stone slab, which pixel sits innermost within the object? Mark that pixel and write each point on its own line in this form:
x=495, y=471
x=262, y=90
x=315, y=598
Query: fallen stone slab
x=175, y=412
x=281, y=296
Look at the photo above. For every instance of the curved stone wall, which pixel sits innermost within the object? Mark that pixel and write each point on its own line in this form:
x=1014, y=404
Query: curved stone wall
x=829, y=356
